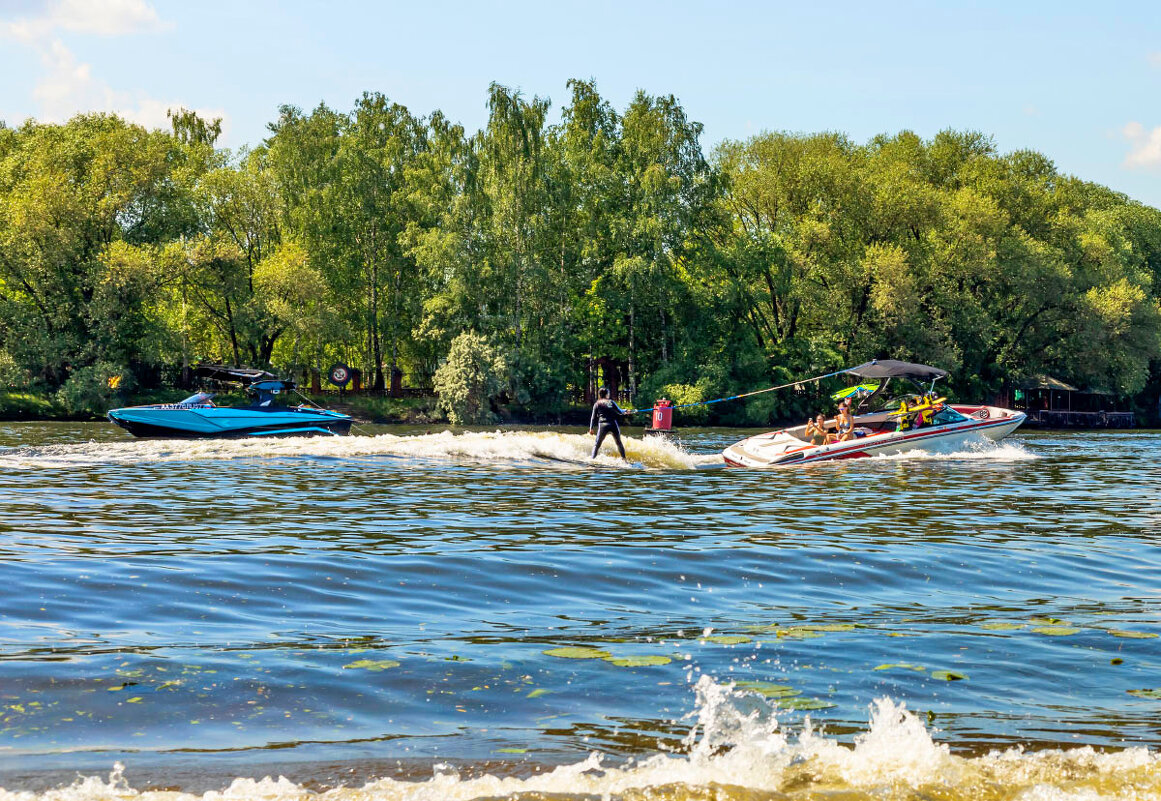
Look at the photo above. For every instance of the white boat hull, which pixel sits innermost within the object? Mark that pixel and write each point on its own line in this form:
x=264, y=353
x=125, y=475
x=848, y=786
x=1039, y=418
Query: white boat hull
x=779, y=448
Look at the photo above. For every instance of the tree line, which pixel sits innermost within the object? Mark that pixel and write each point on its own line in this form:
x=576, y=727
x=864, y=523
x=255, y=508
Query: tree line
x=606, y=247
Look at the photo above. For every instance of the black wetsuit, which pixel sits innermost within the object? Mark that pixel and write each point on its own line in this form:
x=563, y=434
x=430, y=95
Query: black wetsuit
x=606, y=418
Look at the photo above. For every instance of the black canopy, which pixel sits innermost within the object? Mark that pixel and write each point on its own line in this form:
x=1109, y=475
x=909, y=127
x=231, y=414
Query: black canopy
x=891, y=368
x=233, y=375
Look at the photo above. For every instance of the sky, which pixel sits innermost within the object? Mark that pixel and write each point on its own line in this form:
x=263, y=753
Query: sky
x=1077, y=81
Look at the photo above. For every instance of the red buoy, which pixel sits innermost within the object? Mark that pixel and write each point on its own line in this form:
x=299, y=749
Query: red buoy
x=662, y=416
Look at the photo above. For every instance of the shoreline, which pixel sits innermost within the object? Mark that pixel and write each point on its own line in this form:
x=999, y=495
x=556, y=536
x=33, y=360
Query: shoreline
x=382, y=410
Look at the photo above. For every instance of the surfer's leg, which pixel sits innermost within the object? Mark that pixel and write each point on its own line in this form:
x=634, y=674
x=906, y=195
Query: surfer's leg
x=617, y=439
x=602, y=432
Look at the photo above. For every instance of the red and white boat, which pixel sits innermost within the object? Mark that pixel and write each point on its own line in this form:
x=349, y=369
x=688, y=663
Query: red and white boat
x=953, y=427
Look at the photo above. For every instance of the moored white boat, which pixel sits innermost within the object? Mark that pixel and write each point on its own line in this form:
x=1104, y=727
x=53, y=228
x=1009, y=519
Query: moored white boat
x=953, y=427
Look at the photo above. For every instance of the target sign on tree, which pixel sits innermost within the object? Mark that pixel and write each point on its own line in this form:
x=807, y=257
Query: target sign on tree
x=340, y=375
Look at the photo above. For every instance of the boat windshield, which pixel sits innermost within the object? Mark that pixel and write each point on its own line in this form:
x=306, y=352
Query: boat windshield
x=198, y=399
x=947, y=415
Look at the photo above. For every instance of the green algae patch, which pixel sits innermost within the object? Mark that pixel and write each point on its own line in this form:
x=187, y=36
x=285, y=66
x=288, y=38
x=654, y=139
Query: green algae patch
x=1151, y=694
x=1056, y=631
x=374, y=665
x=1132, y=635
x=539, y=691
x=768, y=689
x=948, y=675
x=804, y=704
x=577, y=652
x=638, y=661
x=728, y=639
x=1046, y=621
x=831, y=627
x=902, y=666
x=798, y=633
x=511, y=750
x=775, y=628
x=1000, y=625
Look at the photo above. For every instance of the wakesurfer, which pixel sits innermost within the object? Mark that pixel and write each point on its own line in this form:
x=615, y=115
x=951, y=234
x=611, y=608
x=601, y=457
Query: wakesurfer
x=606, y=419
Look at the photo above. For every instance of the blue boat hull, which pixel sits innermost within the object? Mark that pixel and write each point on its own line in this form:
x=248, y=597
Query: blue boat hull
x=198, y=422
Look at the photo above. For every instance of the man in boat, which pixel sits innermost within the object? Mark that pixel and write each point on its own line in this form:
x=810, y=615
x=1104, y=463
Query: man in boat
x=926, y=411
x=606, y=419
x=925, y=408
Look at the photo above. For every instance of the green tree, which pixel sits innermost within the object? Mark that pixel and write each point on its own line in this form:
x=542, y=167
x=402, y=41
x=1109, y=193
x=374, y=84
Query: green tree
x=471, y=380
x=68, y=193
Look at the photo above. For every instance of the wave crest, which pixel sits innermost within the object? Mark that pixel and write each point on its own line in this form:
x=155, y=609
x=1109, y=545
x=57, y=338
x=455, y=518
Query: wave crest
x=543, y=448
x=736, y=749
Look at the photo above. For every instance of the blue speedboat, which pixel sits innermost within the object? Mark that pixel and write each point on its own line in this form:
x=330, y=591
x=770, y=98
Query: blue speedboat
x=267, y=415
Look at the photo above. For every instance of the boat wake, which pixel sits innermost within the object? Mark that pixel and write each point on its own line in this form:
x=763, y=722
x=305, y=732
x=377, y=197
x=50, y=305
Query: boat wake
x=533, y=448
x=737, y=749
x=983, y=451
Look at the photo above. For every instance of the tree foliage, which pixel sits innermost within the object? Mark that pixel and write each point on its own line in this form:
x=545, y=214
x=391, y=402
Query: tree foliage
x=524, y=263
x=470, y=380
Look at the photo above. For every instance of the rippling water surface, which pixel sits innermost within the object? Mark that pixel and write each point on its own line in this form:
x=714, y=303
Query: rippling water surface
x=411, y=615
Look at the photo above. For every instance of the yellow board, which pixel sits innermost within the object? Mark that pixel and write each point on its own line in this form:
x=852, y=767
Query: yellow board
x=922, y=407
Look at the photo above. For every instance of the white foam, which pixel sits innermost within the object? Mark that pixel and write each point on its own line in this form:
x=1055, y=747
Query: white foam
x=544, y=448
x=737, y=749
x=984, y=451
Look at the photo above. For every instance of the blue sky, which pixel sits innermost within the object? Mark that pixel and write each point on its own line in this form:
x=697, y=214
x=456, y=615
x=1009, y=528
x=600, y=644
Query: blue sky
x=1080, y=83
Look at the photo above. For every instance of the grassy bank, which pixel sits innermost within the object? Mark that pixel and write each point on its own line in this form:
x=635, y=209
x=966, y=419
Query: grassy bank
x=29, y=406
x=382, y=410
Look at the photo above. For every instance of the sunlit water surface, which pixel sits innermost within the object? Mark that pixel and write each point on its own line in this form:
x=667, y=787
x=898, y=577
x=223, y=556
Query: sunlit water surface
x=483, y=614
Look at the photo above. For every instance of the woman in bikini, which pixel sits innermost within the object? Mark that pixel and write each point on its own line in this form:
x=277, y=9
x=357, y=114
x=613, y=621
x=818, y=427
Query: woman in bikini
x=816, y=430
x=846, y=423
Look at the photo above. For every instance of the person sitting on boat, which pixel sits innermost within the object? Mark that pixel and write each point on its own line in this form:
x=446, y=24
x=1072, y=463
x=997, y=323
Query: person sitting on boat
x=904, y=415
x=606, y=418
x=845, y=422
x=926, y=412
x=816, y=430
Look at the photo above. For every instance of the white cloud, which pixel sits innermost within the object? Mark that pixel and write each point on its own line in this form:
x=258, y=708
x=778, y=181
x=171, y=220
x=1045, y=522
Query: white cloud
x=1155, y=58
x=67, y=86
x=100, y=17
x=1145, y=146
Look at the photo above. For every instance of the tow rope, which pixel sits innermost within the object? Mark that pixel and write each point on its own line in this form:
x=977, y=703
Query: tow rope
x=748, y=394
x=354, y=425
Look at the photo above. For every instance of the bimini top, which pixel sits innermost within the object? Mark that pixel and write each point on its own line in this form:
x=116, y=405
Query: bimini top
x=891, y=368
x=233, y=375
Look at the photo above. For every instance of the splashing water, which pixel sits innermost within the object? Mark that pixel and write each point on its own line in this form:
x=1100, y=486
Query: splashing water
x=984, y=450
x=531, y=448
x=736, y=750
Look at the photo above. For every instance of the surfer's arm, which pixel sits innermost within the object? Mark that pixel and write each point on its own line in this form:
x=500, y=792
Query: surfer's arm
x=593, y=418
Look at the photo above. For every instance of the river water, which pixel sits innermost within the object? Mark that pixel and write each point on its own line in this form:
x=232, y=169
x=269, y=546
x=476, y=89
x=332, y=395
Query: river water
x=476, y=615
